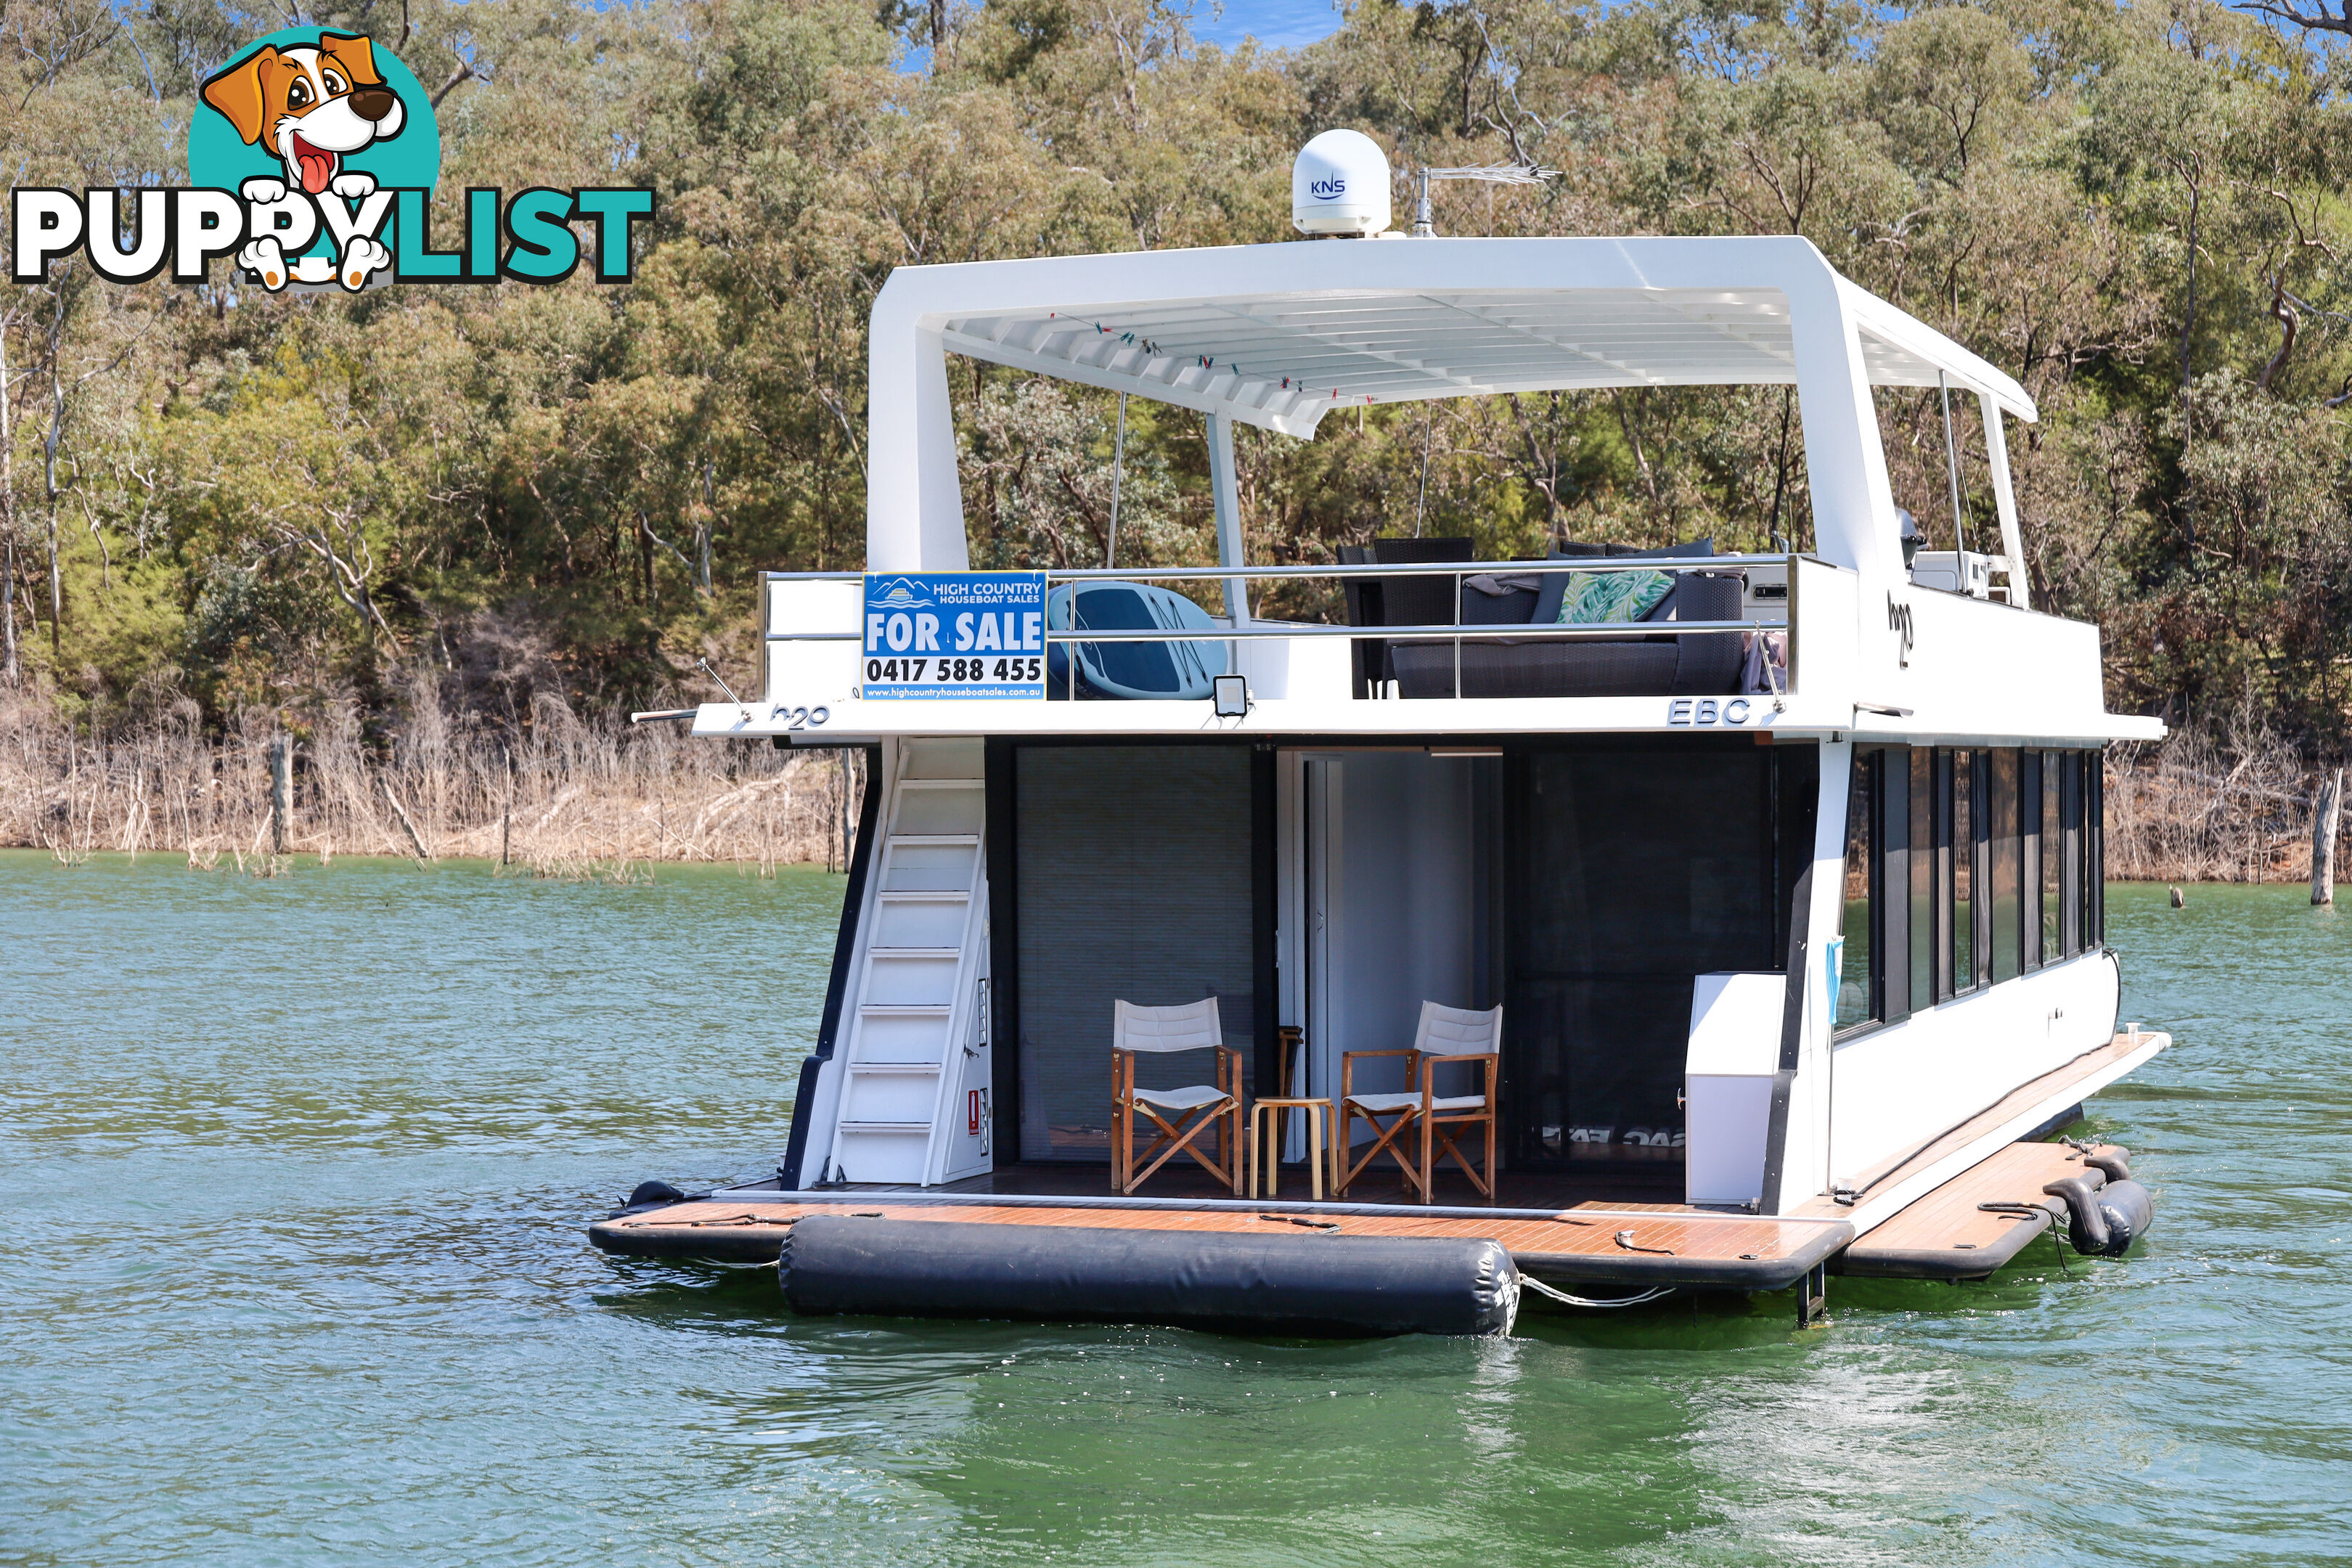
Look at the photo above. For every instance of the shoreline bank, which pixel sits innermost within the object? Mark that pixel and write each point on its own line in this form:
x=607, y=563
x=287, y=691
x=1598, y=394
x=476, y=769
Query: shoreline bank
x=567, y=797
x=573, y=796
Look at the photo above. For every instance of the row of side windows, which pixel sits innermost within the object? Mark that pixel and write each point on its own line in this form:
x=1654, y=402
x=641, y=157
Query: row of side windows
x=1965, y=868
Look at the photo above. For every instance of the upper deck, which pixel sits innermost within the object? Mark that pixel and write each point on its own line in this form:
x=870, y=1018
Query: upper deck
x=1279, y=335
x=1920, y=662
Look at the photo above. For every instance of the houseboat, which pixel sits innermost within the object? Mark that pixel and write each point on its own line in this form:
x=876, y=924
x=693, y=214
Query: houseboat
x=1606, y=925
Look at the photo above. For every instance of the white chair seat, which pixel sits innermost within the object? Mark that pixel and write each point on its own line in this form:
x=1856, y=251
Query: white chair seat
x=1386, y=1104
x=1183, y=1098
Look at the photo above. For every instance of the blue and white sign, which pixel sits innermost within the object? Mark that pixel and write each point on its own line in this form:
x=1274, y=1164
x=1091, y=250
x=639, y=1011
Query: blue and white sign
x=955, y=634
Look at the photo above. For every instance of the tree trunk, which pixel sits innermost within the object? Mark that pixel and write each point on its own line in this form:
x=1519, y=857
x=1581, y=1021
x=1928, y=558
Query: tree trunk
x=7, y=524
x=414, y=837
x=49, y=480
x=281, y=790
x=2324, y=814
x=57, y=591
x=8, y=598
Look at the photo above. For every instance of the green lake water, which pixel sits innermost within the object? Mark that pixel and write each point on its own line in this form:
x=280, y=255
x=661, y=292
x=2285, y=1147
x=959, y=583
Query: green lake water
x=296, y=1175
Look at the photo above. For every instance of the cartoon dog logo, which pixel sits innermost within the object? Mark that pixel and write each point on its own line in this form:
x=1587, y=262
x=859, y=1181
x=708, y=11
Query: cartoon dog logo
x=312, y=107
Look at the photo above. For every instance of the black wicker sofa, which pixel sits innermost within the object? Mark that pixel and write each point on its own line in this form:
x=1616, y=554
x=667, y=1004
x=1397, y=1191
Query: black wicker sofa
x=1637, y=665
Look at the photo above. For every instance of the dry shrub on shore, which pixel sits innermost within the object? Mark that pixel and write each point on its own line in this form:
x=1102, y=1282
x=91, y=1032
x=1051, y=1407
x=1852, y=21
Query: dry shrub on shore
x=2186, y=810
x=573, y=797
x=588, y=800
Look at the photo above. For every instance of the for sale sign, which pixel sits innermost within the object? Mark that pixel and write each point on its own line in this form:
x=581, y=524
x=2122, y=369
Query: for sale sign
x=955, y=634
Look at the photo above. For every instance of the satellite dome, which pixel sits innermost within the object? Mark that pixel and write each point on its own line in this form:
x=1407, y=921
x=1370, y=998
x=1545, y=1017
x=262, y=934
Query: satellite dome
x=1340, y=185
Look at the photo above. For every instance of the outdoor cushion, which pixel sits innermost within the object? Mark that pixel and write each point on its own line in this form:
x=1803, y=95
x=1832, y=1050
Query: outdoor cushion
x=1500, y=598
x=1604, y=598
x=1554, y=584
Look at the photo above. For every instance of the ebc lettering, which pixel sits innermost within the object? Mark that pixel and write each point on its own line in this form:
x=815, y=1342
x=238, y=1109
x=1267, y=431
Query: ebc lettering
x=312, y=163
x=1698, y=711
x=954, y=634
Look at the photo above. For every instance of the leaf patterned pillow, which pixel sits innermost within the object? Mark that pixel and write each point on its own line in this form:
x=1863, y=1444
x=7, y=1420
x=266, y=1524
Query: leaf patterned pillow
x=1600, y=598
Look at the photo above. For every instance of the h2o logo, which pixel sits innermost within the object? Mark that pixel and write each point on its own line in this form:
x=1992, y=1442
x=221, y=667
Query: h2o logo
x=312, y=164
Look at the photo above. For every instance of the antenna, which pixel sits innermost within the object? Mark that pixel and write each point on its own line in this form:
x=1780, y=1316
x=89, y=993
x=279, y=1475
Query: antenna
x=1423, y=227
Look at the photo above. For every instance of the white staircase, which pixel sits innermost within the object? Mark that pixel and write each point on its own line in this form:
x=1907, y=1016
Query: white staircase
x=913, y=1099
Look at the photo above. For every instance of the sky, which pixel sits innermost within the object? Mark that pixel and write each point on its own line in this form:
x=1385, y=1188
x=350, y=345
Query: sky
x=1275, y=24
x=1281, y=24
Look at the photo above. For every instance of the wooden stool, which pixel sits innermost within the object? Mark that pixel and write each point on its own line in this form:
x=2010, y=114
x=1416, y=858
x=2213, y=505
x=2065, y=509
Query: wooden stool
x=1266, y=1122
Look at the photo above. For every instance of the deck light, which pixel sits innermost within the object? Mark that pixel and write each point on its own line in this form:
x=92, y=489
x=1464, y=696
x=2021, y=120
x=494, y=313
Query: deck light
x=1231, y=694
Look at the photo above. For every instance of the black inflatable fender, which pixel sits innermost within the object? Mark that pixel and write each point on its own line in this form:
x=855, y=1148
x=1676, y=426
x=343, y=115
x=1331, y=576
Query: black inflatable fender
x=2086, y=1226
x=2104, y=1217
x=1224, y=1282
x=2115, y=1162
x=651, y=1195
x=2129, y=1209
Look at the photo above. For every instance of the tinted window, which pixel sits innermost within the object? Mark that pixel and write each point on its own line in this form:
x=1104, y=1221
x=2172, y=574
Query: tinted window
x=2052, y=856
x=1922, y=806
x=1853, y=971
x=2004, y=862
x=1964, y=846
x=2095, y=833
x=1631, y=869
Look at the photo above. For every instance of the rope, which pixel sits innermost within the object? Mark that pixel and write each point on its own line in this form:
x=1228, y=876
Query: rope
x=2035, y=1211
x=1527, y=1282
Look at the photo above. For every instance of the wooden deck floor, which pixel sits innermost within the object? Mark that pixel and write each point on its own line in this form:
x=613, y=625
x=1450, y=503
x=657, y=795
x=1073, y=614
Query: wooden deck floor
x=1945, y=1236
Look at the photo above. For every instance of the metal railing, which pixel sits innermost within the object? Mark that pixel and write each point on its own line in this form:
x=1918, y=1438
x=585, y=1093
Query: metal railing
x=1456, y=631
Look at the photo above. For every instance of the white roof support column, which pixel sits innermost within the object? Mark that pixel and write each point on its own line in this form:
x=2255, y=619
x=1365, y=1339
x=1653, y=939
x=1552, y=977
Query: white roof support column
x=1845, y=466
x=2012, y=543
x=914, y=501
x=1226, y=493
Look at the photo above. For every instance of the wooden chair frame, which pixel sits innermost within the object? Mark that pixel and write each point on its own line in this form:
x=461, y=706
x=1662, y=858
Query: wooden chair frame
x=1169, y=1138
x=1439, y=1130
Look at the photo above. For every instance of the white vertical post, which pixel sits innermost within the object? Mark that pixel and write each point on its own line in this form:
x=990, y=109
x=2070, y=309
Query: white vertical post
x=1853, y=507
x=2012, y=547
x=1227, y=496
x=1118, y=472
x=1952, y=466
x=914, y=500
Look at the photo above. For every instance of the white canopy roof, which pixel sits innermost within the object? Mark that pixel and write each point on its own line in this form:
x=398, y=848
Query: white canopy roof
x=1283, y=360
x=1280, y=335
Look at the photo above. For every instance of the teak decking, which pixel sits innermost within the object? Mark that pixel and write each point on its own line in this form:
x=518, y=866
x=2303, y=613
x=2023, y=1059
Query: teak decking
x=1945, y=1236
